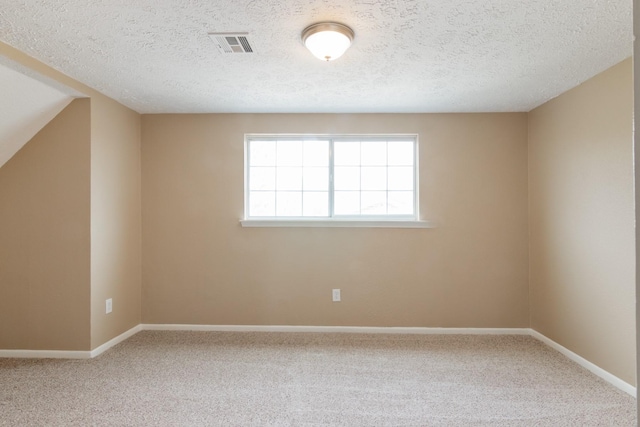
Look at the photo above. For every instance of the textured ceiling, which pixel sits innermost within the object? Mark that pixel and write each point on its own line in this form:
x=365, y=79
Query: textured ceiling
x=408, y=55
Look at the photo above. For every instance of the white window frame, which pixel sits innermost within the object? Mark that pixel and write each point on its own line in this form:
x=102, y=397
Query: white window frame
x=375, y=221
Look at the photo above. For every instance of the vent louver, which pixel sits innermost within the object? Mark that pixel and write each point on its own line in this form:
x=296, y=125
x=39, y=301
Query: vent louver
x=231, y=42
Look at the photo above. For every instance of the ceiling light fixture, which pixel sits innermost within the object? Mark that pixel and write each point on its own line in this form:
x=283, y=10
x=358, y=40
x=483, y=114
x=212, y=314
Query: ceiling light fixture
x=327, y=40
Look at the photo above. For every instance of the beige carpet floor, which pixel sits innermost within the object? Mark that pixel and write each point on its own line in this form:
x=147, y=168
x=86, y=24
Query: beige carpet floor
x=309, y=379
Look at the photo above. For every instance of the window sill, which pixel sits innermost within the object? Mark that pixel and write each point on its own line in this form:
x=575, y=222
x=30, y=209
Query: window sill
x=360, y=223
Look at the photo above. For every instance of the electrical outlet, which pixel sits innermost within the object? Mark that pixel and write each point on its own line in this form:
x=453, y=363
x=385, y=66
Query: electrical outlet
x=109, y=306
x=336, y=295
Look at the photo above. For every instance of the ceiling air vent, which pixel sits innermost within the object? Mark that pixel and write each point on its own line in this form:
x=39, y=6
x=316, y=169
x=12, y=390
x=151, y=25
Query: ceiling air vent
x=231, y=42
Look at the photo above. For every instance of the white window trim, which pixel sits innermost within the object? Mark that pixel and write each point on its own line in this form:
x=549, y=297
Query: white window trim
x=404, y=221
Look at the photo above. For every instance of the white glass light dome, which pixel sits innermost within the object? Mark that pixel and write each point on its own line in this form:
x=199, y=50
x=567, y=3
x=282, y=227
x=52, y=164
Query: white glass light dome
x=327, y=40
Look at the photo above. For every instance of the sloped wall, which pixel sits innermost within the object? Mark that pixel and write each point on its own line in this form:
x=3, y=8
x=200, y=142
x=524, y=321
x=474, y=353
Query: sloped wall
x=26, y=106
x=113, y=182
x=45, y=237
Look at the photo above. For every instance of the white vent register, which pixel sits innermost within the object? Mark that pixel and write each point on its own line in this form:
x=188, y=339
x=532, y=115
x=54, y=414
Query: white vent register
x=231, y=42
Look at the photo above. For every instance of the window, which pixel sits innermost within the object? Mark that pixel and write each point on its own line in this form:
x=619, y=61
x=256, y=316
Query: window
x=319, y=178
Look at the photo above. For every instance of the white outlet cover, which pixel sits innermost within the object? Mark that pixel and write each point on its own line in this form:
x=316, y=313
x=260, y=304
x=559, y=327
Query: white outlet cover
x=109, y=306
x=336, y=295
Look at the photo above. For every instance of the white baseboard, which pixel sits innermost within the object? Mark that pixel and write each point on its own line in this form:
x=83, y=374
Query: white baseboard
x=337, y=329
x=115, y=341
x=607, y=376
x=69, y=354
x=45, y=354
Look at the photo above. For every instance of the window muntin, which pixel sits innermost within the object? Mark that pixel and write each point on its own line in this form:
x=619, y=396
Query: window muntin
x=331, y=177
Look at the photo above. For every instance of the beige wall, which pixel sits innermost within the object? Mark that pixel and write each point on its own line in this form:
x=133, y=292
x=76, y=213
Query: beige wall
x=114, y=198
x=45, y=239
x=581, y=214
x=636, y=163
x=115, y=219
x=201, y=267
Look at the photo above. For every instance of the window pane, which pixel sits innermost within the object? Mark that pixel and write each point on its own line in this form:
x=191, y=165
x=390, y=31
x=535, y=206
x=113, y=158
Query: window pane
x=315, y=204
x=262, y=153
x=374, y=178
x=346, y=153
x=315, y=179
x=262, y=178
x=289, y=179
x=346, y=203
x=262, y=203
x=370, y=176
x=289, y=203
x=401, y=178
x=289, y=153
x=373, y=153
x=346, y=178
x=401, y=153
x=400, y=203
x=316, y=153
x=374, y=202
